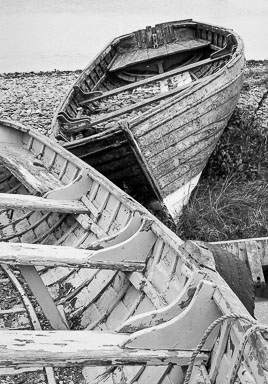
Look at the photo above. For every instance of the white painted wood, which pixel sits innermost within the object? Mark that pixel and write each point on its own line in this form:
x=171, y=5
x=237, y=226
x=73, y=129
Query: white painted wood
x=162, y=315
x=130, y=254
x=26, y=168
x=38, y=203
x=179, y=198
x=141, y=283
x=254, y=262
x=73, y=191
x=43, y=297
x=252, y=251
x=185, y=330
x=68, y=348
x=135, y=224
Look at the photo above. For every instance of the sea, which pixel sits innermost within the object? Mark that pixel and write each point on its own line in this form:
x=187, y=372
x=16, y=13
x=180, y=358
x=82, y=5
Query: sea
x=45, y=35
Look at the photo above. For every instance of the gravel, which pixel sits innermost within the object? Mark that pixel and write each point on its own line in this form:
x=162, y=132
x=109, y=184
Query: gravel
x=32, y=98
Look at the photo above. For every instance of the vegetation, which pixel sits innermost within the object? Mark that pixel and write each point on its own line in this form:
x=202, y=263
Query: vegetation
x=231, y=200
x=231, y=209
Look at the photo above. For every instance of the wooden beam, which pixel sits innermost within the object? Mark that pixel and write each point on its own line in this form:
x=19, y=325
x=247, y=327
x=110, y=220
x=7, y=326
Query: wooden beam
x=43, y=297
x=86, y=348
x=128, y=255
x=152, y=79
x=30, y=171
x=12, y=201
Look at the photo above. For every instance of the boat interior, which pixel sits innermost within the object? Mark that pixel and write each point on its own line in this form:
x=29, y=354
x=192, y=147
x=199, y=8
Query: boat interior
x=137, y=72
x=83, y=256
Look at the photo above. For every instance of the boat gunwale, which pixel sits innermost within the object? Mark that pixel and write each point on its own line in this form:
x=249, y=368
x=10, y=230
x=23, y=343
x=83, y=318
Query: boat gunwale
x=136, y=208
x=55, y=125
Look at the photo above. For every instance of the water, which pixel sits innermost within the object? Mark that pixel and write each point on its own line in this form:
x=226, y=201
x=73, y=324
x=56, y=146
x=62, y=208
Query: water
x=44, y=35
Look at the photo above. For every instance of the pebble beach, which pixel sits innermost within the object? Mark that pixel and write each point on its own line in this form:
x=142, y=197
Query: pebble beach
x=32, y=98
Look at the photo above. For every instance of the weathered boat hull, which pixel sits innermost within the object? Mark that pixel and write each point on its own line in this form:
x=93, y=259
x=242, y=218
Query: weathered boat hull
x=176, y=145
x=182, y=128
x=109, y=290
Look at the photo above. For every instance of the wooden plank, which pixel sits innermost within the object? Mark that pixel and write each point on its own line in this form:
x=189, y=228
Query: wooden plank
x=12, y=201
x=234, y=246
x=86, y=348
x=91, y=207
x=184, y=150
x=254, y=263
x=27, y=169
x=183, y=113
x=138, y=56
x=75, y=126
x=140, y=158
x=152, y=79
x=219, y=352
x=141, y=283
x=131, y=254
x=43, y=297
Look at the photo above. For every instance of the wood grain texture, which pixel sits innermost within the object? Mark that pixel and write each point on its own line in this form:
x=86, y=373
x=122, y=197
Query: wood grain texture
x=130, y=254
x=137, y=56
x=42, y=204
x=80, y=347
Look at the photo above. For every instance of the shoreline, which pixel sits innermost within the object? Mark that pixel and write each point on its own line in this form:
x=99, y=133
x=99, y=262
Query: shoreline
x=78, y=71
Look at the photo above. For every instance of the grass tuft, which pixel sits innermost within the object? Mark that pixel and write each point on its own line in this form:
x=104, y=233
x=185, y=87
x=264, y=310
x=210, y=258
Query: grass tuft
x=227, y=210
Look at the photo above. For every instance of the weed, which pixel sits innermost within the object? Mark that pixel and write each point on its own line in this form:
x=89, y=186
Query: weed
x=228, y=210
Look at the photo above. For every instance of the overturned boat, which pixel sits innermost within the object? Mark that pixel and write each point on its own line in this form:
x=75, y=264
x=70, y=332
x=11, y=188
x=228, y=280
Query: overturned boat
x=95, y=289
x=148, y=111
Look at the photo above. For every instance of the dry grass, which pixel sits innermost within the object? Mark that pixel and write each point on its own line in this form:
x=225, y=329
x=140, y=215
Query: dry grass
x=228, y=210
x=231, y=200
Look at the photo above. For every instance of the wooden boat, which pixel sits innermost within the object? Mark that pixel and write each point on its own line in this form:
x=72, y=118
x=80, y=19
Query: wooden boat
x=253, y=252
x=93, y=285
x=148, y=111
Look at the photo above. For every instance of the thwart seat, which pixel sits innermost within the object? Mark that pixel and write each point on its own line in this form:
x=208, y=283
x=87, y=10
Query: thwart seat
x=140, y=55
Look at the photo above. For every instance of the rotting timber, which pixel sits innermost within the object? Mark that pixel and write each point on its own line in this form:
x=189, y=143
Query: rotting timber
x=148, y=111
x=100, y=285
